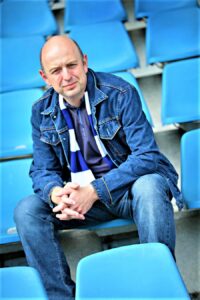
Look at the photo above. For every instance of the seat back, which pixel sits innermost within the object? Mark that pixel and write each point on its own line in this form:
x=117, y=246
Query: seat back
x=145, y=271
x=20, y=63
x=144, y=8
x=180, y=92
x=190, y=168
x=85, y=12
x=25, y=18
x=15, y=126
x=21, y=283
x=15, y=184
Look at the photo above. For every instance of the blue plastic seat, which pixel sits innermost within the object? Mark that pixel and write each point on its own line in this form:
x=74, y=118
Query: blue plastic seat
x=83, y=12
x=146, y=271
x=15, y=127
x=25, y=18
x=15, y=184
x=21, y=283
x=20, y=63
x=173, y=35
x=180, y=92
x=101, y=43
x=190, y=168
x=131, y=79
x=144, y=8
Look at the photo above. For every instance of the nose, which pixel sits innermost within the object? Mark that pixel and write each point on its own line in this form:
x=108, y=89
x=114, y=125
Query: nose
x=66, y=74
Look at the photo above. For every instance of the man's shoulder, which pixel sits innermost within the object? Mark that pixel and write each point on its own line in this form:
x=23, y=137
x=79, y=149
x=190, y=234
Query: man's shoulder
x=44, y=100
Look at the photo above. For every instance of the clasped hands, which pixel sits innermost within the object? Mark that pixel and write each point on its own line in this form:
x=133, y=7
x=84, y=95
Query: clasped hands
x=73, y=201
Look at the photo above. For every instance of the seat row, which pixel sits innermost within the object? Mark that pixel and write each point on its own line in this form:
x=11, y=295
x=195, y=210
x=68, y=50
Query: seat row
x=16, y=184
x=180, y=103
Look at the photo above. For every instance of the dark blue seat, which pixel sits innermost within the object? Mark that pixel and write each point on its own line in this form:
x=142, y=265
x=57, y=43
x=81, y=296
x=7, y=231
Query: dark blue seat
x=15, y=127
x=21, y=283
x=180, y=92
x=173, y=35
x=20, y=63
x=190, y=168
x=15, y=185
x=131, y=79
x=107, y=45
x=83, y=12
x=145, y=271
x=25, y=18
x=144, y=8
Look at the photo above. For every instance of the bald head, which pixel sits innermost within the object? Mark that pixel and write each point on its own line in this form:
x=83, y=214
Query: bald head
x=56, y=43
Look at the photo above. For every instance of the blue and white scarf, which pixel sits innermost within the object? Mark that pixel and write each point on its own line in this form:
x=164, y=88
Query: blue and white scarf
x=80, y=172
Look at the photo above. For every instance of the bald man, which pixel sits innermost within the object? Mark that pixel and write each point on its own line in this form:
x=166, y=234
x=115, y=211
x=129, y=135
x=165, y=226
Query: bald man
x=94, y=159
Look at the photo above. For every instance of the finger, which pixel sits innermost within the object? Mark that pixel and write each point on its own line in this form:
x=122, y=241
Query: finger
x=68, y=200
x=72, y=185
x=66, y=217
x=59, y=207
x=61, y=193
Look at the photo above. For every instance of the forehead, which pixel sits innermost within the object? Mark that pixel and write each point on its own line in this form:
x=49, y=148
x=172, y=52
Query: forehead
x=59, y=54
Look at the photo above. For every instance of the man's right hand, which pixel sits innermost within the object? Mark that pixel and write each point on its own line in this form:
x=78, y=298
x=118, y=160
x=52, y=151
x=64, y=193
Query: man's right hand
x=59, y=196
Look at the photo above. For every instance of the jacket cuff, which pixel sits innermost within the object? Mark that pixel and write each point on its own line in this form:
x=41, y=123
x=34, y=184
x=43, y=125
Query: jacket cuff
x=102, y=191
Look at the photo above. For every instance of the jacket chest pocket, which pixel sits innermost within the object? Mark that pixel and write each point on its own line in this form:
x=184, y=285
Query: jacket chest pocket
x=50, y=136
x=108, y=129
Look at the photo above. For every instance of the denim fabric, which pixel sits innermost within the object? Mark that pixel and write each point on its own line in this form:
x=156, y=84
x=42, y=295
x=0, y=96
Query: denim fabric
x=147, y=202
x=121, y=125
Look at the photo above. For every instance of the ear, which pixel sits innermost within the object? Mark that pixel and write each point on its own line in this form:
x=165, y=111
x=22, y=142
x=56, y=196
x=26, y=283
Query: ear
x=44, y=77
x=85, y=63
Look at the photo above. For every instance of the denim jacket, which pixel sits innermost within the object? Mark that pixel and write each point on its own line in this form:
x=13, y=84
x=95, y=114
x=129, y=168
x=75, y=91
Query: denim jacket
x=121, y=125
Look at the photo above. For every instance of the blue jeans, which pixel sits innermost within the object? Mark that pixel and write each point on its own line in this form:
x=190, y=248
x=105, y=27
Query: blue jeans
x=147, y=203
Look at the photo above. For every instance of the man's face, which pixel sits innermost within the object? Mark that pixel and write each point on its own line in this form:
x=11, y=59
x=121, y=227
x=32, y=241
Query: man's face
x=65, y=70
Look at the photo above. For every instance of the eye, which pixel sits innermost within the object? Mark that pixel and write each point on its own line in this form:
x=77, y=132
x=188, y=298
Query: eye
x=71, y=66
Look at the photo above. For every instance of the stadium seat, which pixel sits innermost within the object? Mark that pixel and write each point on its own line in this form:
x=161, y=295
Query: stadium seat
x=144, y=8
x=190, y=168
x=25, y=18
x=107, y=45
x=20, y=63
x=15, y=127
x=15, y=184
x=146, y=271
x=83, y=12
x=180, y=92
x=173, y=35
x=21, y=283
x=131, y=79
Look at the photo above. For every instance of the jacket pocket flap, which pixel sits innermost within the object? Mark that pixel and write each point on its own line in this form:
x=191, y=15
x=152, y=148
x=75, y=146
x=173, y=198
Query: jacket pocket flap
x=108, y=129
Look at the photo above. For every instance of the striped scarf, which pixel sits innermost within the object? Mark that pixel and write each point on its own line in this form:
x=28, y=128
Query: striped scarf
x=80, y=172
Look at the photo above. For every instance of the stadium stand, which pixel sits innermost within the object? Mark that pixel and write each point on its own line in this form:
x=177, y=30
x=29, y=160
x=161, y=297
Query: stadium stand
x=26, y=18
x=145, y=271
x=180, y=92
x=19, y=64
x=173, y=35
x=90, y=12
x=16, y=130
x=21, y=283
x=190, y=168
x=15, y=185
x=131, y=79
x=144, y=8
x=103, y=48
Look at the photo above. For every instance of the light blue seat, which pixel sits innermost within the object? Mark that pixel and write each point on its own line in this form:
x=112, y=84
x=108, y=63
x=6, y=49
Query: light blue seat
x=107, y=45
x=15, y=126
x=25, y=18
x=131, y=79
x=144, y=8
x=173, y=35
x=146, y=271
x=190, y=168
x=180, y=92
x=15, y=184
x=83, y=12
x=20, y=63
x=21, y=283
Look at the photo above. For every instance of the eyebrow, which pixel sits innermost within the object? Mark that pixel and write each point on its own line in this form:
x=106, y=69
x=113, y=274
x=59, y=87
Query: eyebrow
x=58, y=67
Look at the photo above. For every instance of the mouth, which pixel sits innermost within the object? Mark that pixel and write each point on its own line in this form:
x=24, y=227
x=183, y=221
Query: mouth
x=70, y=85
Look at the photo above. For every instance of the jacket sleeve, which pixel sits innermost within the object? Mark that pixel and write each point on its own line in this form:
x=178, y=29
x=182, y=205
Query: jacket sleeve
x=144, y=153
x=45, y=171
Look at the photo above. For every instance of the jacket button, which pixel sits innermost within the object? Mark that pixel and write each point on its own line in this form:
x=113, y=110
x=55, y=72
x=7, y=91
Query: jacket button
x=54, y=117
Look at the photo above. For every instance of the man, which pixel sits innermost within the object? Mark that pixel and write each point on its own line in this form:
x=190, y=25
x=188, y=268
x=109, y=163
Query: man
x=94, y=159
